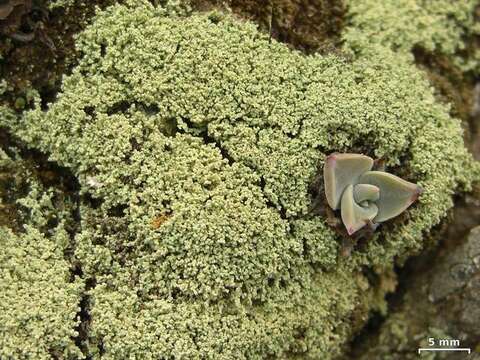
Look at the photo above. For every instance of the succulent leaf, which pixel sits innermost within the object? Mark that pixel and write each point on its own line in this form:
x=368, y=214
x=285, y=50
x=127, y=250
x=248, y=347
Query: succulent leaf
x=365, y=192
x=365, y=196
x=396, y=194
x=341, y=170
x=354, y=216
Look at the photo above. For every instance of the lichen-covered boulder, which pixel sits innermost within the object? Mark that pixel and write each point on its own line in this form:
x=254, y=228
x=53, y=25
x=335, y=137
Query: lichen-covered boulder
x=197, y=141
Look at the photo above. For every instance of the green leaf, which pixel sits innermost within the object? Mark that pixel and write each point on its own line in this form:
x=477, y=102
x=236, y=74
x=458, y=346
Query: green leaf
x=396, y=194
x=354, y=216
x=365, y=192
x=341, y=170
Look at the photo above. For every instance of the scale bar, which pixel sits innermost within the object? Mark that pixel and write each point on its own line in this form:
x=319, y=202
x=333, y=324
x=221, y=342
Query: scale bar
x=444, y=349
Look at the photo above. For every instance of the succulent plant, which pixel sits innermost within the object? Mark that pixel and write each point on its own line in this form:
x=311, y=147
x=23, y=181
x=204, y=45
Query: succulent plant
x=362, y=195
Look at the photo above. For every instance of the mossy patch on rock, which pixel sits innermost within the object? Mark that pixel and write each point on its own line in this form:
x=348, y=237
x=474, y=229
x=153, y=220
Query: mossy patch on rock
x=441, y=37
x=206, y=123
x=437, y=26
x=41, y=62
x=39, y=296
x=444, y=279
x=39, y=303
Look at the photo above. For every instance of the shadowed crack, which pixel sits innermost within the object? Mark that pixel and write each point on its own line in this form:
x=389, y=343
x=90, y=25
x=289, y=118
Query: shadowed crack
x=83, y=327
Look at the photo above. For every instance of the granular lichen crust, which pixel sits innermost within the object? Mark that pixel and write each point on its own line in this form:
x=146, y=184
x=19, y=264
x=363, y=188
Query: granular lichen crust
x=296, y=322
x=39, y=297
x=197, y=140
x=38, y=303
x=442, y=37
x=436, y=26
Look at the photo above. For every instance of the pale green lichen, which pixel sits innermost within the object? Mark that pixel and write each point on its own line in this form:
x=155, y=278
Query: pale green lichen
x=199, y=140
x=403, y=24
x=172, y=7
x=54, y=4
x=38, y=303
x=3, y=85
x=39, y=297
x=296, y=322
x=438, y=26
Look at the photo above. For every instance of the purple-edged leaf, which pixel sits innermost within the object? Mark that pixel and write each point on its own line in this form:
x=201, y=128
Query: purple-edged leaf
x=396, y=194
x=341, y=170
x=354, y=216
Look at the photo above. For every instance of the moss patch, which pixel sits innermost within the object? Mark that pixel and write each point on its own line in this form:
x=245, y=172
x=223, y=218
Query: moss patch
x=446, y=47
x=196, y=141
x=38, y=304
x=205, y=123
x=41, y=63
x=40, y=296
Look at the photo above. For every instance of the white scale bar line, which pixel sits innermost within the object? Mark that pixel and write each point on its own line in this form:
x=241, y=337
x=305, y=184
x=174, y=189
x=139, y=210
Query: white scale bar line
x=444, y=349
